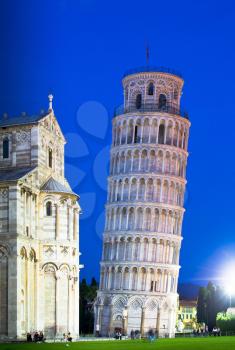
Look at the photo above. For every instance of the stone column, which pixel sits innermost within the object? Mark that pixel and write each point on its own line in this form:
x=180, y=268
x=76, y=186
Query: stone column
x=157, y=132
x=13, y=321
x=165, y=134
x=142, y=321
x=40, y=300
x=100, y=318
x=57, y=315
x=13, y=149
x=170, y=323
x=141, y=132
x=125, y=320
x=75, y=226
x=27, y=296
x=117, y=248
x=158, y=321
x=70, y=306
x=36, y=303
x=111, y=320
x=76, y=305
x=57, y=222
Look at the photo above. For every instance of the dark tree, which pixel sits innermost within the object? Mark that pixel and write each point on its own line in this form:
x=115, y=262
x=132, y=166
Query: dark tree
x=211, y=301
x=86, y=302
x=212, y=307
x=201, y=305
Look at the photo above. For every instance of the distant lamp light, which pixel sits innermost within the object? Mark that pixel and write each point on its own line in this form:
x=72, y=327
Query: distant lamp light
x=230, y=290
x=229, y=281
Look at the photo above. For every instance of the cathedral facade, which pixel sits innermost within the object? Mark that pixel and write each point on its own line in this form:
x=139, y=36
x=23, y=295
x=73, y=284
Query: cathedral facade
x=39, y=216
x=144, y=211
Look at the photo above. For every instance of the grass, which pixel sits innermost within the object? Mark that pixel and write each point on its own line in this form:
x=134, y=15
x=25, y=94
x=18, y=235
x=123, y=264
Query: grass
x=211, y=343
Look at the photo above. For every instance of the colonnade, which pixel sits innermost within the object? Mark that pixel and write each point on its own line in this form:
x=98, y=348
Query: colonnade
x=144, y=160
x=149, y=250
x=149, y=189
x=138, y=279
x=164, y=130
x=143, y=218
x=58, y=295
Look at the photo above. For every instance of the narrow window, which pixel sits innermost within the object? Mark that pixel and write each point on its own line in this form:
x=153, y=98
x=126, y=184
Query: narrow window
x=50, y=158
x=151, y=89
x=138, y=101
x=151, y=289
x=161, y=135
x=5, y=146
x=136, y=134
x=48, y=209
x=162, y=101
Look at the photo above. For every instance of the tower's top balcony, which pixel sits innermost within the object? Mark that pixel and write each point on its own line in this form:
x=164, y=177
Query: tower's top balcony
x=152, y=89
x=148, y=107
x=152, y=69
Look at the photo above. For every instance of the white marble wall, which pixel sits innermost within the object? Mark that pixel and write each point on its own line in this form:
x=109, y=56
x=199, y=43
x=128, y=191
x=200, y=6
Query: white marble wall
x=144, y=210
x=39, y=256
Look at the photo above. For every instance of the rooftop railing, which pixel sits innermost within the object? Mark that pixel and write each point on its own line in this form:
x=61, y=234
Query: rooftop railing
x=153, y=69
x=150, y=107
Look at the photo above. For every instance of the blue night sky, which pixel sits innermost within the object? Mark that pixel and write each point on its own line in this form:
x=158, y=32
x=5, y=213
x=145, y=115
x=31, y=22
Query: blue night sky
x=79, y=50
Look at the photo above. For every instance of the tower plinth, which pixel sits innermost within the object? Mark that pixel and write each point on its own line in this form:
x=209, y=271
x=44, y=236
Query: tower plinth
x=144, y=211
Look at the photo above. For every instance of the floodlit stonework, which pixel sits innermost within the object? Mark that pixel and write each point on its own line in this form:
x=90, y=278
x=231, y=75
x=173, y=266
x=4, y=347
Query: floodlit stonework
x=144, y=211
x=39, y=257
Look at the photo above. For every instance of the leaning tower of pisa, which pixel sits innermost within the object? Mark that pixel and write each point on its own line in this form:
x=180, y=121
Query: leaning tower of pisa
x=144, y=211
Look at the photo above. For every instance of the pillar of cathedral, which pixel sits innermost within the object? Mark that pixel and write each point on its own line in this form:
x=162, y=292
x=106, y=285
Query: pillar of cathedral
x=144, y=210
x=142, y=330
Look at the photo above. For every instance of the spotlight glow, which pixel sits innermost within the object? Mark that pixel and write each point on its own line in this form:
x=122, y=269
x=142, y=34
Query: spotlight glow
x=229, y=279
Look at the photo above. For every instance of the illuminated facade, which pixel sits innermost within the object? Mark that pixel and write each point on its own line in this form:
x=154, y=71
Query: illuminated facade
x=187, y=315
x=144, y=211
x=39, y=217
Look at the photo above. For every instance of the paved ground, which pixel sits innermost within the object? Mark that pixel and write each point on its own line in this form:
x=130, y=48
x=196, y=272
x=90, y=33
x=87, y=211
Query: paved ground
x=210, y=343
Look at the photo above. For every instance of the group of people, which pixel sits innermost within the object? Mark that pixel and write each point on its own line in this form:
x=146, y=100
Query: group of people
x=200, y=332
x=135, y=334
x=118, y=335
x=67, y=337
x=216, y=331
x=205, y=332
x=35, y=336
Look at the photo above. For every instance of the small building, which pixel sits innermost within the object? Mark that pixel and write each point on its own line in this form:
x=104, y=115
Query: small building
x=187, y=315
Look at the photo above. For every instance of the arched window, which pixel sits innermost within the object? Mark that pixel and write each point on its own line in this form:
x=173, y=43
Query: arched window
x=150, y=89
x=162, y=101
x=50, y=158
x=138, y=101
x=161, y=134
x=49, y=209
x=5, y=146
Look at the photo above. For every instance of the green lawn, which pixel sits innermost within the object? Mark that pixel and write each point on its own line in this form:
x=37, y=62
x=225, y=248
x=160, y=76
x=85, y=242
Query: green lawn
x=211, y=343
